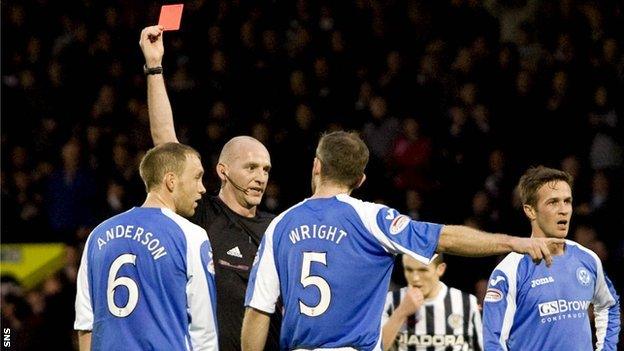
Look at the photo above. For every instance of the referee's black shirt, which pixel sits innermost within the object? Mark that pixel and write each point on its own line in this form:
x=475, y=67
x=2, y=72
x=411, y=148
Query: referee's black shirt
x=234, y=240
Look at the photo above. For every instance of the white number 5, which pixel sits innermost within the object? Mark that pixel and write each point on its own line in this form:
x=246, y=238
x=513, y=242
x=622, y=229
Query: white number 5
x=133, y=290
x=319, y=282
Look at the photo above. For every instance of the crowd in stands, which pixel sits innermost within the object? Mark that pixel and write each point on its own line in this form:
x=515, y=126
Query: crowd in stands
x=455, y=99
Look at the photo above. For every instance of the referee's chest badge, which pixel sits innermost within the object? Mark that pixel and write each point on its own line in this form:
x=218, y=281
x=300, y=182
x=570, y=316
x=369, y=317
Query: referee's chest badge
x=456, y=321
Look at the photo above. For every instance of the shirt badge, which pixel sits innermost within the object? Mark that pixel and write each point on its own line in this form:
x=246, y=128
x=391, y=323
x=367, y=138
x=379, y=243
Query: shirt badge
x=583, y=276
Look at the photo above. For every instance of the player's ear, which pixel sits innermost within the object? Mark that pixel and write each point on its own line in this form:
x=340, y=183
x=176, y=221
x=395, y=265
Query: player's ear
x=529, y=211
x=316, y=166
x=169, y=181
x=441, y=269
x=359, y=184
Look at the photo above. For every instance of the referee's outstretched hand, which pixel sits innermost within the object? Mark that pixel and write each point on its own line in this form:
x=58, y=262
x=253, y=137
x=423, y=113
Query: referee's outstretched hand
x=538, y=248
x=151, y=43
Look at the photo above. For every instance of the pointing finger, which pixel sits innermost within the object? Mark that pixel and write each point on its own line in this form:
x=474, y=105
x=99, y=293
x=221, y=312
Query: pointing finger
x=547, y=254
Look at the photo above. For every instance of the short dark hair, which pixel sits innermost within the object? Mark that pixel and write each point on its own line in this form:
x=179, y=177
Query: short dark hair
x=162, y=159
x=533, y=179
x=343, y=156
x=439, y=258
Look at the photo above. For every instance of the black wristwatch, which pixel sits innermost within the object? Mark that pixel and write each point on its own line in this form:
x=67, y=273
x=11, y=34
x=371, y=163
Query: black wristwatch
x=152, y=70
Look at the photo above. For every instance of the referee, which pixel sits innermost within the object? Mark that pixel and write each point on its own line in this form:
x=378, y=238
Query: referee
x=231, y=219
x=430, y=316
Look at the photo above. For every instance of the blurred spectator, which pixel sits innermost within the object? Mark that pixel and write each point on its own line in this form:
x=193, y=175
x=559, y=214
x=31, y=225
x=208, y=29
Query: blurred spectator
x=482, y=215
x=413, y=204
x=605, y=151
x=511, y=14
x=70, y=196
x=272, y=202
x=497, y=182
x=602, y=208
x=392, y=82
x=381, y=130
x=412, y=157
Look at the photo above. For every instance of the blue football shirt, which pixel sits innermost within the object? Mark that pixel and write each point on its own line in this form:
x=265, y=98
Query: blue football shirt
x=534, y=307
x=330, y=259
x=146, y=282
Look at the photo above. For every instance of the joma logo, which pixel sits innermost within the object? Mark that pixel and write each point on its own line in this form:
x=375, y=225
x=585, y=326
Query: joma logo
x=541, y=281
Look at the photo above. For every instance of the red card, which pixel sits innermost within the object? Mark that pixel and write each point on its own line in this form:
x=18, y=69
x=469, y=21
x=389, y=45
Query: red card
x=171, y=16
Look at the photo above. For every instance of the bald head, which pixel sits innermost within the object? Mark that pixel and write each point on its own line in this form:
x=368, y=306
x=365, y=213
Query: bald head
x=243, y=168
x=238, y=146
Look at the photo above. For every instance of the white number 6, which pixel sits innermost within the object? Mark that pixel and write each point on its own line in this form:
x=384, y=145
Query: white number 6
x=133, y=290
x=319, y=282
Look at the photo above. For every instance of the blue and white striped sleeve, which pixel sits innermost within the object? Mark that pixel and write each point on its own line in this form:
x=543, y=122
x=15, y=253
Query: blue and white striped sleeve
x=200, y=288
x=606, y=310
x=263, y=288
x=83, y=306
x=499, y=305
x=397, y=233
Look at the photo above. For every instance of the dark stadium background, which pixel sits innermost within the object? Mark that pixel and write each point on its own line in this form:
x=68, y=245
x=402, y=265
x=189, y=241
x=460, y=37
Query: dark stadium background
x=454, y=98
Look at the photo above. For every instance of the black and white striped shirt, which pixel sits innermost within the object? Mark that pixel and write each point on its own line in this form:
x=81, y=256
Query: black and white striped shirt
x=449, y=322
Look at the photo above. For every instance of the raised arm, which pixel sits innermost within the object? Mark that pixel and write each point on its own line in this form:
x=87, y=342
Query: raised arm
x=465, y=241
x=160, y=113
